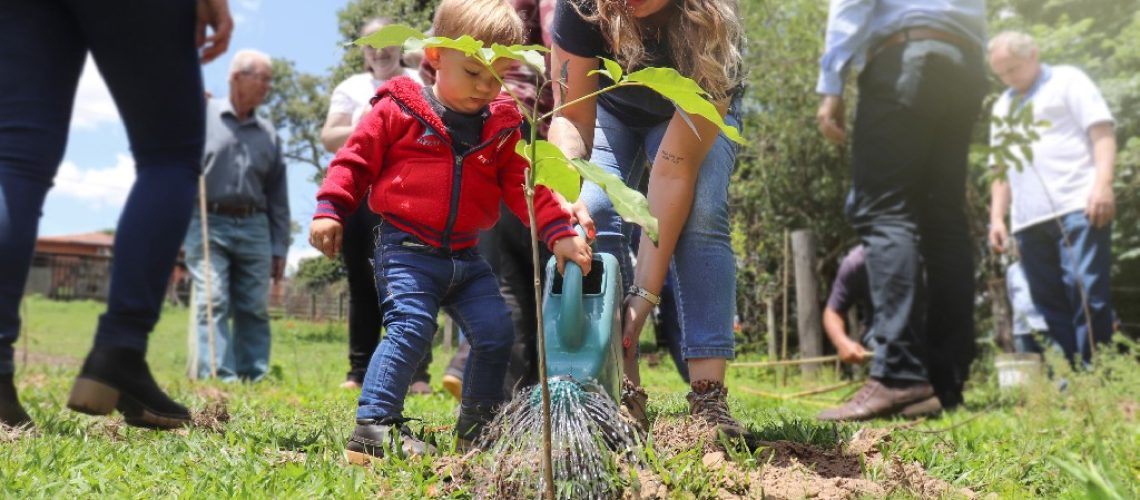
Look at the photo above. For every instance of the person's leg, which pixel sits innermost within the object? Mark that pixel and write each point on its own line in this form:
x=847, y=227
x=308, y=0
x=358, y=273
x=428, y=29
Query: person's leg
x=516, y=282
x=475, y=303
x=35, y=108
x=218, y=295
x=1088, y=266
x=1040, y=247
x=363, y=306
x=249, y=294
x=668, y=328
x=704, y=273
x=944, y=228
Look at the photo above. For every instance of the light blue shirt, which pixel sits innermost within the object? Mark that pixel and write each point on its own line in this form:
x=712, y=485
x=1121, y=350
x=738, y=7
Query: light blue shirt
x=854, y=26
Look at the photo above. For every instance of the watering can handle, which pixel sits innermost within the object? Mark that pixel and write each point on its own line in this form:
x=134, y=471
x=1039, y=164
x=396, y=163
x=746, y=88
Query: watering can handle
x=571, y=329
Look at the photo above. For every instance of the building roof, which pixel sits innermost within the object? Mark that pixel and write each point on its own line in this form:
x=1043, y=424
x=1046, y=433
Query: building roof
x=86, y=239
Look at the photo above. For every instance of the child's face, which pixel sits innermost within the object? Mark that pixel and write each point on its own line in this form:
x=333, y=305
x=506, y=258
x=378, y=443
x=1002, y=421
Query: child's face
x=462, y=83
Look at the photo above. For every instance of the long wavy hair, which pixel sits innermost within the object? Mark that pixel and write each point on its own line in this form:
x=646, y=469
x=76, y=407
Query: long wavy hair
x=703, y=36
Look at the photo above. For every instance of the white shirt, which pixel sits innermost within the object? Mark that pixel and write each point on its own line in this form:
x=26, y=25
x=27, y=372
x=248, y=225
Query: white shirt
x=1060, y=178
x=351, y=96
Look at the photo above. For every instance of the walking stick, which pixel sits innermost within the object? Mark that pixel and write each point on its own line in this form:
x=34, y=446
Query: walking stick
x=208, y=271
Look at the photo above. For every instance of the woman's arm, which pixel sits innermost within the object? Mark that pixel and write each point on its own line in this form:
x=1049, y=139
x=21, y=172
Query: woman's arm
x=672, y=181
x=338, y=126
x=572, y=129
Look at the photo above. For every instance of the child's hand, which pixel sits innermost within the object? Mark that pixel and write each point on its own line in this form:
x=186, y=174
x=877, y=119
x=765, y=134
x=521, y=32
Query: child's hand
x=574, y=249
x=325, y=235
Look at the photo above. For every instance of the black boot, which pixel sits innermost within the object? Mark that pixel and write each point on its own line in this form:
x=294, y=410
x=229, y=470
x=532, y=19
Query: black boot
x=372, y=436
x=473, y=420
x=118, y=378
x=11, y=413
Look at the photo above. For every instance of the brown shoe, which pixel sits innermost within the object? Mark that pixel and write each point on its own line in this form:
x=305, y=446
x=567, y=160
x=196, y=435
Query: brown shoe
x=420, y=388
x=453, y=385
x=709, y=401
x=634, y=403
x=877, y=399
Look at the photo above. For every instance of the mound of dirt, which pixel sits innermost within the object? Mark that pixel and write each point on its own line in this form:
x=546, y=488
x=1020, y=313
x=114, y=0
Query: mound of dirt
x=213, y=417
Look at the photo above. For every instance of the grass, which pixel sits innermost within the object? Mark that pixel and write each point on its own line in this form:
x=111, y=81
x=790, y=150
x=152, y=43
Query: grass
x=285, y=435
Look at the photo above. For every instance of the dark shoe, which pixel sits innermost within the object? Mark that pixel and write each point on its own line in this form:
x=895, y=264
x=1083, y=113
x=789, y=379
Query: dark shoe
x=473, y=420
x=11, y=413
x=634, y=403
x=878, y=399
x=373, y=436
x=117, y=378
x=709, y=401
x=420, y=388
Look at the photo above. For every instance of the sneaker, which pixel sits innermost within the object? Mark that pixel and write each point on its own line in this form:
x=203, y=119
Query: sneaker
x=12, y=414
x=420, y=388
x=472, y=422
x=373, y=436
x=634, y=403
x=708, y=401
x=118, y=378
x=453, y=385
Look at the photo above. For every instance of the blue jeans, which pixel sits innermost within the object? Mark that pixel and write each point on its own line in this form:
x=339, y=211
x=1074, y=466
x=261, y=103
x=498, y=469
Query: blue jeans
x=1057, y=273
x=145, y=52
x=240, y=261
x=703, y=266
x=414, y=281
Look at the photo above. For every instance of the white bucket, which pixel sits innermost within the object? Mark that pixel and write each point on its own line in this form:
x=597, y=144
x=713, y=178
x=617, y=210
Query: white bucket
x=1017, y=370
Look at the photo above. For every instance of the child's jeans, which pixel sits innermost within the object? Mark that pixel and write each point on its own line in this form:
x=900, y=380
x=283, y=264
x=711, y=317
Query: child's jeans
x=414, y=281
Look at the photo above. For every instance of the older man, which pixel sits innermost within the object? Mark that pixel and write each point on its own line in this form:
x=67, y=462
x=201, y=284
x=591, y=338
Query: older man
x=1062, y=197
x=919, y=94
x=248, y=225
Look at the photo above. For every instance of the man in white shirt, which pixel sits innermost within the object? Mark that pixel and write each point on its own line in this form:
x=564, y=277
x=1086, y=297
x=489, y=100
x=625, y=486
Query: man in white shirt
x=1062, y=197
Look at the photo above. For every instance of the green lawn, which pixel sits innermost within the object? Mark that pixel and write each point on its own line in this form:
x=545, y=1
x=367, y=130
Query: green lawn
x=284, y=436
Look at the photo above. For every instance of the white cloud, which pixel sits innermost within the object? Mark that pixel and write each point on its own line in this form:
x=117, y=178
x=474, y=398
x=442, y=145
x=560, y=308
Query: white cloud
x=93, y=103
x=98, y=187
x=250, y=5
x=239, y=18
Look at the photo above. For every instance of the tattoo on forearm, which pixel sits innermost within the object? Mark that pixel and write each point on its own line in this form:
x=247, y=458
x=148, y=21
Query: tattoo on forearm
x=670, y=157
x=563, y=81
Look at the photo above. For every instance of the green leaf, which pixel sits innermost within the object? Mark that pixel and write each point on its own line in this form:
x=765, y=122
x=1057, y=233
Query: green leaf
x=685, y=93
x=629, y=203
x=465, y=44
x=612, y=70
x=392, y=34
x=552, y=169
x=531, y=55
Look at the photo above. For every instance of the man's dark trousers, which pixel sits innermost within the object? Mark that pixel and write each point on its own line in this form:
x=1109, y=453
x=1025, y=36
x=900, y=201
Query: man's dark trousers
x=918, y=102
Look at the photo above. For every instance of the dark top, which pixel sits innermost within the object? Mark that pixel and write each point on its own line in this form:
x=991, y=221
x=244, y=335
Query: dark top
x=634, y=106
x=465, y=129
x=850, y=287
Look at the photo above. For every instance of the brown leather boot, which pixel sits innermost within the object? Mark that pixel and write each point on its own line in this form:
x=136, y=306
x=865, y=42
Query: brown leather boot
x=709, y=401
x=634, y=403
x=885, y=398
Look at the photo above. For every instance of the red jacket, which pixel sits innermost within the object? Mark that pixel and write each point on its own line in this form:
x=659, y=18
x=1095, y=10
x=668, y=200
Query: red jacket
x=402, y=151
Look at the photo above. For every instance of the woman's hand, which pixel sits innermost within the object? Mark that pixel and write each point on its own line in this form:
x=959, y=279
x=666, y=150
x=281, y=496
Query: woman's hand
x=635, y=311
x=216, y=15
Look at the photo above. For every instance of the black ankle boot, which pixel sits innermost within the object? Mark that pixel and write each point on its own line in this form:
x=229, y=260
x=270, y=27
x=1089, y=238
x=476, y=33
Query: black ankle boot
x=11, y=413
x=119, y=378
x=373, y=437
x=473, y=420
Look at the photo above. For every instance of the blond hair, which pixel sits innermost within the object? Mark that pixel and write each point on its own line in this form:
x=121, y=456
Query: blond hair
x=489, y=21
x=703, y=36
x=1018, y=44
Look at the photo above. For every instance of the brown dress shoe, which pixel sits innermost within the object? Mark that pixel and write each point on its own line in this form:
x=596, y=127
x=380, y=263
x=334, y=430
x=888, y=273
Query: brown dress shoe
x=634, y=403
x=877, y=399
x=709, y=401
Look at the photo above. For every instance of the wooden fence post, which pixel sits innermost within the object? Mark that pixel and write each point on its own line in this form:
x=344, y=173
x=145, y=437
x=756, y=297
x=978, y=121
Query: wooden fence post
x=807, y=298
x=773, y=335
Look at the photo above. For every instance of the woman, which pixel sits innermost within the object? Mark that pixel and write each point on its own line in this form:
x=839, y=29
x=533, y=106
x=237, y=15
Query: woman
x=350, y=100
x=688, y=182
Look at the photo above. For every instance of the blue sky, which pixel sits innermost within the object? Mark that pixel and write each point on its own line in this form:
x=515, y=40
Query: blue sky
x=97, y=170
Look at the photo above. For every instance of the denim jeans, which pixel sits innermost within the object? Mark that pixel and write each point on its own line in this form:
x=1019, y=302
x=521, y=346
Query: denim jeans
x=145, y=52
x=240, y=259
x=703, y=266
x=917, y=105
x=1058, y=273
x=414, y=281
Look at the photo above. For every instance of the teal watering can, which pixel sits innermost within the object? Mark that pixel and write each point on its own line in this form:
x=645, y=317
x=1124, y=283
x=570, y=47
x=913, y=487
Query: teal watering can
x=582, y=321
